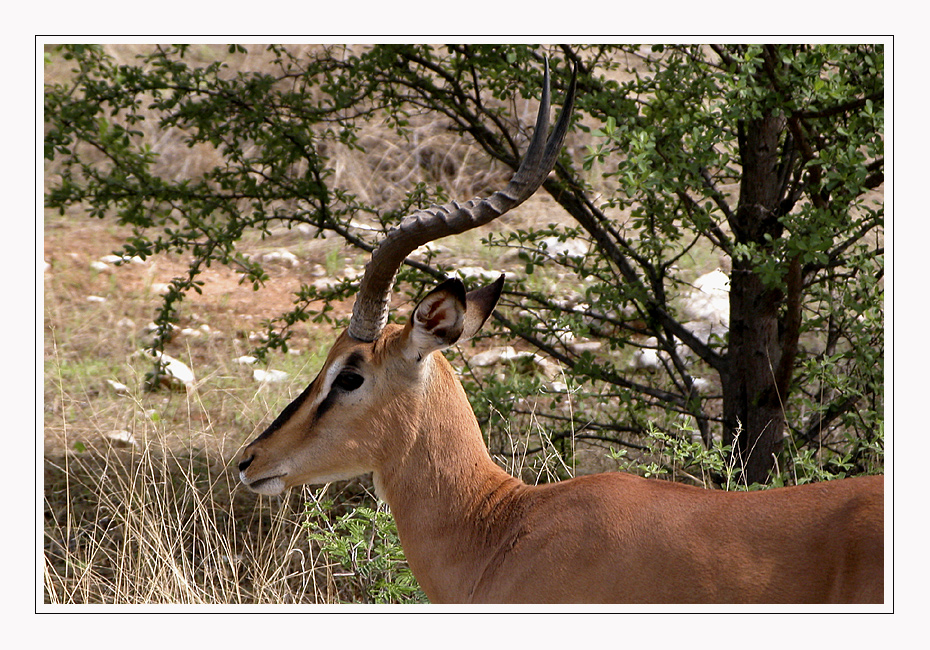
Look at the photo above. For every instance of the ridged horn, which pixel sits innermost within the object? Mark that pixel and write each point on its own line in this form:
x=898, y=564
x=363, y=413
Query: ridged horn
x=370, y=313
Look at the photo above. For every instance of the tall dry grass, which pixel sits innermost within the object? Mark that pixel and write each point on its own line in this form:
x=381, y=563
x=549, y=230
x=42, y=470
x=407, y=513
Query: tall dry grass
x=158, y=520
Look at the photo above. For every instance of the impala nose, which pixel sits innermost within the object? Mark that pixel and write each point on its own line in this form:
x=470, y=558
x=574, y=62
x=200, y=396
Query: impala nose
x=244, y=464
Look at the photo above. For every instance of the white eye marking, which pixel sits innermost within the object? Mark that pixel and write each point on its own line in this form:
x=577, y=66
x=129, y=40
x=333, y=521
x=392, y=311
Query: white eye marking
x=343, y=376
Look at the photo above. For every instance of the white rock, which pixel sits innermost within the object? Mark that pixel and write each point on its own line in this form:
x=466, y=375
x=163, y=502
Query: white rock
x=245, y=360
x=97, y=299
x=569, y=247
x=563, y=335
x=160, y=288
x=358, y=225
x=100, y=266
x=203, y=330
x=178, y=370
x=430, y=249
x=122, y=438
x=508, y=354
x=580, y=347
x=476, y=273
x=547, y=367
x=492, y=356
x=269, y=376
x=645, y=359
x=175, y=374
x=324, y=284
x=351, y=273
x=118, y=388
x=701, y=385
x=121, y=259
x=716, y=280
x=710, y=299
x=704, y=331
x=281, y=256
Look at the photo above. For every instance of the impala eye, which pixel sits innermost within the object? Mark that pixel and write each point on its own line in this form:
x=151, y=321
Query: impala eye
x=348, y=380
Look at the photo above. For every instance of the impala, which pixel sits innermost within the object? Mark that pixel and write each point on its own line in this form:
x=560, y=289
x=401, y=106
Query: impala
x=387, y=402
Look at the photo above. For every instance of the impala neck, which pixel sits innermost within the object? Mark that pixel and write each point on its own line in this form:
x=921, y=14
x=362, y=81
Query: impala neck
x=451, y=502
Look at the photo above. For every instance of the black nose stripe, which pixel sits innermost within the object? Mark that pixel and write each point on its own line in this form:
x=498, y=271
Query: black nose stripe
x=244, y=465
x=286, y=414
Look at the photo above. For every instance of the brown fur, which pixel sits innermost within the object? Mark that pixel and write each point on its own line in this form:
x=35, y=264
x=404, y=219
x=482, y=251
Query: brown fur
x=472, y=533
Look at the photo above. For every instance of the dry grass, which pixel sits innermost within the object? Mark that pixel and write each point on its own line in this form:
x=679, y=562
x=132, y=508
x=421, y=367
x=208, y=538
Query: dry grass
x=158, y=518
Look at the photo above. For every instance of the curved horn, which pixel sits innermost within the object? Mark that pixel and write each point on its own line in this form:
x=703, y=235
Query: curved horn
x=370, y=313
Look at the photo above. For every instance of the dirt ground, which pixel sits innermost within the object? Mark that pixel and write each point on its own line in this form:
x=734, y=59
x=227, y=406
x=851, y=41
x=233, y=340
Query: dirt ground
x=230, y=304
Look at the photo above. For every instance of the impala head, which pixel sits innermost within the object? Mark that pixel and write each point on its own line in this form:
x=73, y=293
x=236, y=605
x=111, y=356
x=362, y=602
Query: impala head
x=361, y=408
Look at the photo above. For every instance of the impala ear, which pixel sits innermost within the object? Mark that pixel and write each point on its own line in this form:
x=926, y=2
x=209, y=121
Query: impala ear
x=480, y=304
x=447, y=315
x=438, y=320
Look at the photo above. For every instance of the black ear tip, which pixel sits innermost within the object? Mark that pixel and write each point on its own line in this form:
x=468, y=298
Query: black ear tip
x=497, y=287
x=454, y=286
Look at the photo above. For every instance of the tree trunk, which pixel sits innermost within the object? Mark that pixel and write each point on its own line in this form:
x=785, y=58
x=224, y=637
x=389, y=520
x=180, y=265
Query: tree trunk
x=754, y=419
x=753, y=416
